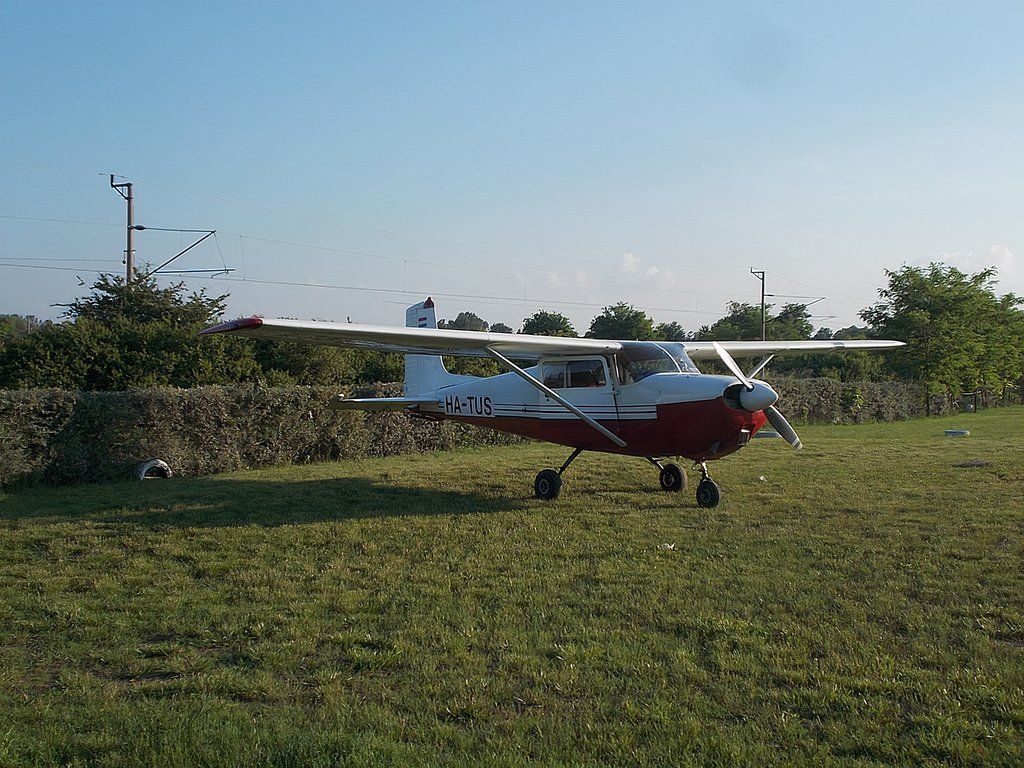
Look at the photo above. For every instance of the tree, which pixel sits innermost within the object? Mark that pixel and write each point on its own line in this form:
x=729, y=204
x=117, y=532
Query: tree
x=466, y=321
x=145, y=302
x=16, y=326
x=793, y=322
x=283, y=362
x=960, y=335
x=128, y=336
x=671, y=332
x=622, y=321
x=501, y=328
x=544, y=323
x=743, y=323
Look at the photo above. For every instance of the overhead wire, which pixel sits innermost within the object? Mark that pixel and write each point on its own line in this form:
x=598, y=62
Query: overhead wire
x=419, y=236
x=462, y=268
x=446, y=294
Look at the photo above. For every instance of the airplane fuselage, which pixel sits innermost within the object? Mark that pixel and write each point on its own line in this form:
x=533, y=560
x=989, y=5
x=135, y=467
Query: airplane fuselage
x=663, y=414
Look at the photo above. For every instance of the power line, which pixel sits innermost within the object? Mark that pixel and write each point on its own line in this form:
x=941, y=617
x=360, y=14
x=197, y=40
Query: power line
x=399, y=232
x=462, y=268
x=396, y=232
x=484, y=299
x=473, y=296
x=59, y=269
x=60, y=221
x=823, y=290
x=55, y=258
x=384, y=230
x=422, y=262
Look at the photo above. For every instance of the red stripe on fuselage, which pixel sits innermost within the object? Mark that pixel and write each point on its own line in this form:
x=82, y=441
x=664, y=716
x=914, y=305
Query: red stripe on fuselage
x=681, y=429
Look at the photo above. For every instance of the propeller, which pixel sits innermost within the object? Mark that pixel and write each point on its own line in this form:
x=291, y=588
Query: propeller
x=780, y=425
x=758, y=396
x=732, y=366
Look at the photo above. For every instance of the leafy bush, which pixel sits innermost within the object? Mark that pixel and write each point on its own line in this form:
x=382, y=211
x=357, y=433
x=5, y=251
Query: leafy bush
x=837, y=402
x=65, y=437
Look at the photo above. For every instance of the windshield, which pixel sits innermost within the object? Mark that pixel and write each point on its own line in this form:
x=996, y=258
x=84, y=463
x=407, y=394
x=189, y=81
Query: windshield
x=640, y=359
x=678, y=352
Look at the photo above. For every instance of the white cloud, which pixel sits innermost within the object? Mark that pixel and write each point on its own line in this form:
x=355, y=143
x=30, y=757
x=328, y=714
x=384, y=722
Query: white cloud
x=637, y=273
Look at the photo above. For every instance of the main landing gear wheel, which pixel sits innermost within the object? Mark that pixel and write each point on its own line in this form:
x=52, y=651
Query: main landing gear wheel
x=708, y=493
x=548, y=484
x=672, y=478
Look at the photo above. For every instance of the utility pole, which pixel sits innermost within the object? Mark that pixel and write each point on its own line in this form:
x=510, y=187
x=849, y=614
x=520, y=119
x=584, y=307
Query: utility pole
x=125, y=191
x=759, y=274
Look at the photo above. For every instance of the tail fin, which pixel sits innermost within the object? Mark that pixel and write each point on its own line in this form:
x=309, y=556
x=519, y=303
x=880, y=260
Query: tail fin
x=425, y=373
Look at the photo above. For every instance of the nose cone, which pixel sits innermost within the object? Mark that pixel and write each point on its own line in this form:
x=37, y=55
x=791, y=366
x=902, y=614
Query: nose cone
x=757, y=399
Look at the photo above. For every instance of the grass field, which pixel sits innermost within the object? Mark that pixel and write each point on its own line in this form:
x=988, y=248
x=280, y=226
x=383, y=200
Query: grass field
x=862, y=604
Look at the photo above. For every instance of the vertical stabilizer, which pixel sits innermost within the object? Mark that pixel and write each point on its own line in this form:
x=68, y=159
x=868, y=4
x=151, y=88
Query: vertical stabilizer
x=424, y=373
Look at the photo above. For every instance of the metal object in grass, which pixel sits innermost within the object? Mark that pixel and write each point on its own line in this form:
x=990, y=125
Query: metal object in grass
x=153, y=469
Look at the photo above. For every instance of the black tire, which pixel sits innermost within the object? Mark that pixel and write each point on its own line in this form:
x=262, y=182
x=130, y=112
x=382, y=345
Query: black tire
x=547, y=485
x=708, y=494
x=672, y=478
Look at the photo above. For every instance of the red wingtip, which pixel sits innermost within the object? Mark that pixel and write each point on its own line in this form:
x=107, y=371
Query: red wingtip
x=240, y=324
x=429, y=303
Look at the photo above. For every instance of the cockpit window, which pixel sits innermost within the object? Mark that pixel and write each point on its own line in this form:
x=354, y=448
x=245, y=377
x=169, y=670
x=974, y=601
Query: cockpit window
x=559, y=374
x=640, y=359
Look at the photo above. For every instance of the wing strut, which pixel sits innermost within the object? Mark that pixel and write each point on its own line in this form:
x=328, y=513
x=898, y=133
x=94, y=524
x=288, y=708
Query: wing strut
x=555, y=396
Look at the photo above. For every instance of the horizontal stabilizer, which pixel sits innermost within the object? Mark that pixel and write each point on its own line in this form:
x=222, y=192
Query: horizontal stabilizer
x=340, y=403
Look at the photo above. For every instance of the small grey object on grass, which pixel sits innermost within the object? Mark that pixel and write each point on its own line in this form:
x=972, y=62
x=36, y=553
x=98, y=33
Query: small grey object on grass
x=154, y=468
x=667, y=547
x=958, y=433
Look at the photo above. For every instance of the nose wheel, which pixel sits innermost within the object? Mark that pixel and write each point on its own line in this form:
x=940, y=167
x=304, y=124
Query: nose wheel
x=708, y=492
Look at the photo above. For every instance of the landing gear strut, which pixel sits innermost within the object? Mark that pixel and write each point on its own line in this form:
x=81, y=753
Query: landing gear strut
x=549, y=482
x=708, y=492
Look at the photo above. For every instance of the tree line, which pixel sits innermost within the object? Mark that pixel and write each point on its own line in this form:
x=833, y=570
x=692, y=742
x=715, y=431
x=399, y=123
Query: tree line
x=961, y=335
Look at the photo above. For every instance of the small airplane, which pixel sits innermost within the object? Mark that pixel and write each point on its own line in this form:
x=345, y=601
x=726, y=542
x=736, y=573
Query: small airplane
x=638, y=398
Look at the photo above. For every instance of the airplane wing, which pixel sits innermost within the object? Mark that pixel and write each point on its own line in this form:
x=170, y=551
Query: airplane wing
x=416, y=341
x=703, y=350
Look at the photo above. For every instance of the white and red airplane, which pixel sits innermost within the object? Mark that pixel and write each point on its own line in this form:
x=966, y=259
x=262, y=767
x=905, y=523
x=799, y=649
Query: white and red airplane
x=639, y=398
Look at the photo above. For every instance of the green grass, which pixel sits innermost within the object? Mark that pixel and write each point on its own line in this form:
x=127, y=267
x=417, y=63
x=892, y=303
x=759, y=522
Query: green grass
x=861, y=605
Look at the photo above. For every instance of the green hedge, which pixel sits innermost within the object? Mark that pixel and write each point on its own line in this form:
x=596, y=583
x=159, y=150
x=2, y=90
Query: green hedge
x=832, y=401
x=65, y=437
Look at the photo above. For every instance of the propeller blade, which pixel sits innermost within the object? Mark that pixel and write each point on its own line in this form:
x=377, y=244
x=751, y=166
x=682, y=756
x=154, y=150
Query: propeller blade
x=780, y=425
x=731, y=365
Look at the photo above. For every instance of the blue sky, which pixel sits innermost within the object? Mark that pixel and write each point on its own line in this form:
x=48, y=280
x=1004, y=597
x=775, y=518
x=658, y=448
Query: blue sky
x=513, y=156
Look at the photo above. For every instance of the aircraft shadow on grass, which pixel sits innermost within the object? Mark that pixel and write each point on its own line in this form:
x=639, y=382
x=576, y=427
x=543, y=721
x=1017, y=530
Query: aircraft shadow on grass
x=223, y=502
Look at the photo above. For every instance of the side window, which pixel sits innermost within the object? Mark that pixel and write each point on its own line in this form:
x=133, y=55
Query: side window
x=585, y=373
x=554, y=375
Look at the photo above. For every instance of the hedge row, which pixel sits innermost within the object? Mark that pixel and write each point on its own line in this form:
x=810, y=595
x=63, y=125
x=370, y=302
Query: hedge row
x=63, y=437
x=832, y=401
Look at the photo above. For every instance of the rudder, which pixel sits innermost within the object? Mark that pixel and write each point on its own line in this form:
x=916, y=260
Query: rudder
x=423, y=373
